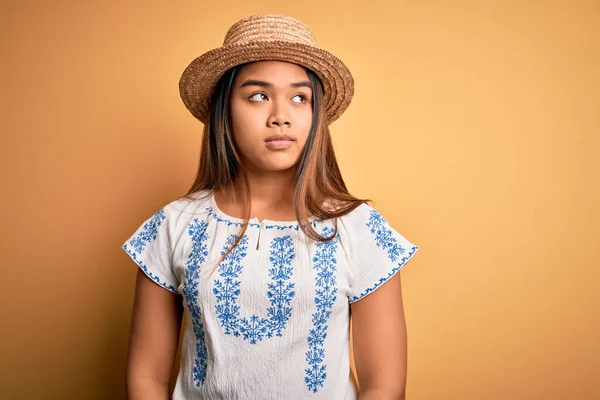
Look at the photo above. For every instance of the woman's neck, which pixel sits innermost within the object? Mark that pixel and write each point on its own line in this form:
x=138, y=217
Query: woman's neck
x=271, y=197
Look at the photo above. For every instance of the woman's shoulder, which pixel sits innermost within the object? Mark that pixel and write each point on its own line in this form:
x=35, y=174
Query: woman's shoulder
x=363, y=220
x=194, y=205
x=357, y=214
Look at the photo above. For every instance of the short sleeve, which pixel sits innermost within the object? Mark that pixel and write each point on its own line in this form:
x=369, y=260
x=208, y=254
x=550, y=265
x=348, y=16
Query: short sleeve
x=150, y=247
x=378, y=251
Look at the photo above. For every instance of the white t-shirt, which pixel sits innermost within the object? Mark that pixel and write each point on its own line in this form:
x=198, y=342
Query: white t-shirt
x=272, y=321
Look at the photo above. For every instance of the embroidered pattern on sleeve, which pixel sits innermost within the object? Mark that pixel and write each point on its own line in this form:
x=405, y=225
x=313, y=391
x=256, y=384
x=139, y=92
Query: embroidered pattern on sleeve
x=136, y=246
x=324, y=262
x=384, y=238
x=280, y=291
x=197, y=257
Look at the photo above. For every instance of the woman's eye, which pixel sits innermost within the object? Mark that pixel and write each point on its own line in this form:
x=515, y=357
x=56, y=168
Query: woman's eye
x=301, y=96
x=254, y=96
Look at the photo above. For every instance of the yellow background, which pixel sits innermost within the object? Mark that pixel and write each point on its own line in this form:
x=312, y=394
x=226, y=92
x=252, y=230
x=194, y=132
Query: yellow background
x=474, y=127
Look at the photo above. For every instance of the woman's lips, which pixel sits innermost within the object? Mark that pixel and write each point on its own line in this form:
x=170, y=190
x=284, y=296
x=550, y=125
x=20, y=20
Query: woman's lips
x=279, y=144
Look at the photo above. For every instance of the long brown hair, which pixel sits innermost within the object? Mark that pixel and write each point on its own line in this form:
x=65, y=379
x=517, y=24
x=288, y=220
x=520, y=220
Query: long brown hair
x=318, y=177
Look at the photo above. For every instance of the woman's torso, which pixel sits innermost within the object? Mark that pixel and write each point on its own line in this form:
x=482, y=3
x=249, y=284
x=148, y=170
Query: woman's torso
x=272, y=321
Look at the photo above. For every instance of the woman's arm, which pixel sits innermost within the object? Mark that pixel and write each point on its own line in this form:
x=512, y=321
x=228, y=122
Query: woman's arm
x=155, y=326
x=379, y=337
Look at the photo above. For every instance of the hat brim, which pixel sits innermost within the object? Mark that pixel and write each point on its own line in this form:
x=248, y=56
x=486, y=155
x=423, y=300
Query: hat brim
x=199, y=79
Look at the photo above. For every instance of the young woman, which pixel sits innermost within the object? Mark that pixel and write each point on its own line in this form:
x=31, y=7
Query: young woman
x=268, y=254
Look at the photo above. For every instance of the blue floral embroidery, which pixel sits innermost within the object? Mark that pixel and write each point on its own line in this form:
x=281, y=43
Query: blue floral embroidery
x=254, y=329
x=324, y=262
x=228, y=290
x=384, y=238
x=136, y=246
x=149, y=232
x=197, y=256
x=280, y=292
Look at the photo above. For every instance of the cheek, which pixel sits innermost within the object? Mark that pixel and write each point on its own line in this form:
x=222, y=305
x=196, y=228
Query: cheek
x=246, y=125
x=303, y=128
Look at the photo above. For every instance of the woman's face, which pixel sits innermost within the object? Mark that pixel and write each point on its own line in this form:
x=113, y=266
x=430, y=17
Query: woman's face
x=271, y=98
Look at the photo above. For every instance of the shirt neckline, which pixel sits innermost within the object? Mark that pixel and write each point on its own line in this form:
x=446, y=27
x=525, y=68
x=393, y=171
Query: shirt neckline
x=253, y=221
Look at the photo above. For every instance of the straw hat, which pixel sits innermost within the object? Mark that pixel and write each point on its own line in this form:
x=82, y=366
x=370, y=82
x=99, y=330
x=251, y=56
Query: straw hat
x=266, y=37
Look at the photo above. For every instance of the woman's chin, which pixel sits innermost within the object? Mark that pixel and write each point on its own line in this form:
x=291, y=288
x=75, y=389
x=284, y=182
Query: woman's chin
x=278, y=163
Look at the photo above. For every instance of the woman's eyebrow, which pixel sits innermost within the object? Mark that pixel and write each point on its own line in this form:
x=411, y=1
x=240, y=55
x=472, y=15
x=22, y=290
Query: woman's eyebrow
x=255, y=82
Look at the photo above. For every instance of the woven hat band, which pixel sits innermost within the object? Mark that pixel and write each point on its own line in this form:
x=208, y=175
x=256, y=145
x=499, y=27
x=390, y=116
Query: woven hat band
x=268, y=29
